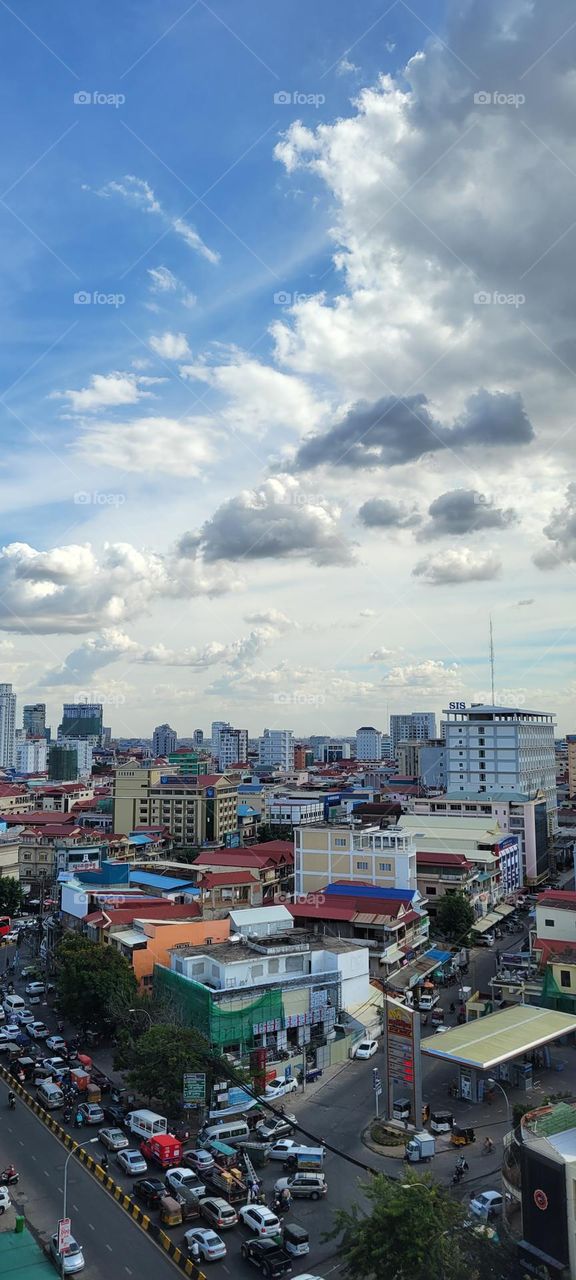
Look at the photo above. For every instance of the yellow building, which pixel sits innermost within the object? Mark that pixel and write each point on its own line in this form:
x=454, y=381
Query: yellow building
x=195, y=810
x=324, y=854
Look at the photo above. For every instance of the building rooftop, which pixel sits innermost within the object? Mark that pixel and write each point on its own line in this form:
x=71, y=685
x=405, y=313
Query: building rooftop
x=457, y=860
x=213, y=879
x=244, y=918
x=347, y=887
x=169, y=883
x=237, y=952
x=499, y=1037
x=563, y=898
x=483, y=797
x=22, y=1259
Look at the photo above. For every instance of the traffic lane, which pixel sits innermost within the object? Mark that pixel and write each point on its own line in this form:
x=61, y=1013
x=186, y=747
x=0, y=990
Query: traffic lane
x=111, y=1240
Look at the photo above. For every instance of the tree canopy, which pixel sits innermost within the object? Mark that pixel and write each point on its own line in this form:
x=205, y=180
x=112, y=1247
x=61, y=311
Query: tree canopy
x=11, y=897
x=415, y=1230
x=95, y=983
x=454, y=916
x=158, y=1060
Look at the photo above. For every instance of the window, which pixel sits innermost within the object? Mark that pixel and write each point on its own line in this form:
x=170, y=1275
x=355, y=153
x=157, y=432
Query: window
x=339, y=843
x=257, y=971
x=385, y=866
x=565, y=978
x=549, y=923
x=294, y=964
x=273, y=966
x=361, y=866
x=197, y=969
x=430, y=889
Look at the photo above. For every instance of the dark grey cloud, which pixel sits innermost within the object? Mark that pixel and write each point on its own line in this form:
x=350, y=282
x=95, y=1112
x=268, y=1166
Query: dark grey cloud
x=561, y=531
x=462, y=511
x=382, y=513
x=392, y=432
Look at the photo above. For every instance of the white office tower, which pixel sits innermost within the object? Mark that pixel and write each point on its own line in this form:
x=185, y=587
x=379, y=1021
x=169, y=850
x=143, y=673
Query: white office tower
x=7, y=727
x=32, y=755
x=164, y=740
x=276, y=749
x=502, y=749
x=232, y=748
x=368, y=743
x=417, y=726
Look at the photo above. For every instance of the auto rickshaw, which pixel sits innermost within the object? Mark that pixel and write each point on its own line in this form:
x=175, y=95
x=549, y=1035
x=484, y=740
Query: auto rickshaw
x=295, y=1239
x=441, y=1121
x=170, y=1212
x=462, y=1137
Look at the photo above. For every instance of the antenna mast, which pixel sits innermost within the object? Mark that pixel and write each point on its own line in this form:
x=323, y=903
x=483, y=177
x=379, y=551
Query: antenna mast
x=492, y=660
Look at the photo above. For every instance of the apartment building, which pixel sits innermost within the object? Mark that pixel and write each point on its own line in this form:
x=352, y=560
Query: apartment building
x=196, y=810
x=368, y=743
x=294, y=810
x=415, y=726
x=164, y=740
x=440, y=874
x=324, y=854
x=7, y=727
x=484, y=844
x=276, y=749
x=519, y=815
x=15, y=798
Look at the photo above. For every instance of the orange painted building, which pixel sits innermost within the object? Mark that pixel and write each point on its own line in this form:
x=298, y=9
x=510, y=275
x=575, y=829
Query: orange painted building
x=148, y=942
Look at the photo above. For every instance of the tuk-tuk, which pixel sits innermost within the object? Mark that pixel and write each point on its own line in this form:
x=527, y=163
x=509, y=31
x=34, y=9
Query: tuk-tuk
x=189, y=1203
x=295, y=1239
x=170, y=1212
x=93, y=1092
x=462, y=1137
x=225, y=1156
x=441, y=1121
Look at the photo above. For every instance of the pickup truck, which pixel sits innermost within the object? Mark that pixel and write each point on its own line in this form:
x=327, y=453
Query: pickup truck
x=270, y=1258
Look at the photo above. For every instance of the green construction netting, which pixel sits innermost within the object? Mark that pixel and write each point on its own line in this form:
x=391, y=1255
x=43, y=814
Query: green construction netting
x=229, y=1023
x=557, y=1120
x=555, y=997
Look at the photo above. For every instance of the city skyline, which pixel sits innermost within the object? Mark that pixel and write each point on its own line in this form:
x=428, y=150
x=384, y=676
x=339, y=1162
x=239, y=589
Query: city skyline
x=288, y=406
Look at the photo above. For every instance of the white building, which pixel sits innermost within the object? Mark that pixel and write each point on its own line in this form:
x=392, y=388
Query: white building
x=164, y=741
x=232, y=747
x=7, y=726
x=417, y=726
x=32, y=755
x=502, y=749
x=84, y=750
x=368, y=743
x=516, y=814
x=294, y=810
x=276, y=749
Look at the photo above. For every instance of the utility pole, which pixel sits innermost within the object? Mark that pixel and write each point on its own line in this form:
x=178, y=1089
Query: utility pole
x=377, y=1087
x=492, y=661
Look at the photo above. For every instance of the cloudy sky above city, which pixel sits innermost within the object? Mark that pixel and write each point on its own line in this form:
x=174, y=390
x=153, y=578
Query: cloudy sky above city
x=289, y=364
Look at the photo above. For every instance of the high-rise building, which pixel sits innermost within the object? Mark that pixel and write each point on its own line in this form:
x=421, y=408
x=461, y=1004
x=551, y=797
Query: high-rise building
x=62, y=762
x=502, y=749
x=368, y=743
x=195, y=810
x=32, y=755
x=34, y=720
x=276, y=749
x=7, y=727
x=417, y=725
x=198, y=737
x=232, y=748
x=81, y=720
x=164, y=740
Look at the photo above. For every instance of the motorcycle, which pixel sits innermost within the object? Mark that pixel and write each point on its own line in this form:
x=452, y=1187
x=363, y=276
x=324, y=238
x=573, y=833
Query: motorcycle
x=280, y=1204
x=8, y=1177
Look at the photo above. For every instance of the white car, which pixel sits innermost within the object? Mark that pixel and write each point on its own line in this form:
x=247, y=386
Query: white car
x=210, y=1245
x=282, y=1149
x=54, y=1064
x=260, y=1220
x=114, y=1139
x=366, y=1049
x=34, y=989
x=4, y=1199
x=278, y=1088
x=12, y=1031
x=23, y=1017
x=184, y=1179
x=486, y=1204
x=132, y=1162
x=56, y=1044
x=37, y=1030
x=69, y=1262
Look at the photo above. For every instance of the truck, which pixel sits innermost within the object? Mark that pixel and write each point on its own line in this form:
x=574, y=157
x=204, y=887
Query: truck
x=146, y=1124
x=420, y=1148
x=163, y=1149
x=229, y=1182
x=305, y=1159
x=270, y=1258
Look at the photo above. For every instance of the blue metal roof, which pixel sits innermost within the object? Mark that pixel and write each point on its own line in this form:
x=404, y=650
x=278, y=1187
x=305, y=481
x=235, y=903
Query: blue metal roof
x=140, y=839
x=245, y=811
x=439, y=957
x=369, y=891
x=161, y=882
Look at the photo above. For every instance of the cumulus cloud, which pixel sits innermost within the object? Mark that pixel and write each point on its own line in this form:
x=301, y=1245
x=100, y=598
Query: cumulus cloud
x=163, y=281
x=383, y=513
x=170, y=346
x=393, y=432
x=561, y=531
x=238, y=653
x=278, y=520
x=259, y=398
x=458, y=566
x=99, y=651
x=105, y=391
x=461, y=511
x=138, y=192
x=273, y=618
x=154, y=445
x=380, y=655
x=428, y=677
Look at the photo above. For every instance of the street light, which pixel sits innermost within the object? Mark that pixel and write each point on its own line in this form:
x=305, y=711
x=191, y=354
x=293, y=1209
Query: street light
x=495, y=1084
x=88, y=1143
x=144, y=1012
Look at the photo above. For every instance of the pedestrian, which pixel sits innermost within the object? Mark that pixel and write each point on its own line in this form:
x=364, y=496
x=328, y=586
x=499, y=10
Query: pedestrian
x=195, y=1252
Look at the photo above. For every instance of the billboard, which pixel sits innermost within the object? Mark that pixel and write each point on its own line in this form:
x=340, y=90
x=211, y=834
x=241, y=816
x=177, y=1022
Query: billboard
x=544, y=1205
x=402, y=1057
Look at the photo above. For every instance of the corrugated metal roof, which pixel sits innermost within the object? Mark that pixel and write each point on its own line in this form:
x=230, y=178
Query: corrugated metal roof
x=170, y=883
x=498, y=1037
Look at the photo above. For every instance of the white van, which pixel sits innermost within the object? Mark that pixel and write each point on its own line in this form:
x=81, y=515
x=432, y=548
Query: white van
x=147, y=1124
x=12, y=1006
x=229, y=1131
x=49, y=1095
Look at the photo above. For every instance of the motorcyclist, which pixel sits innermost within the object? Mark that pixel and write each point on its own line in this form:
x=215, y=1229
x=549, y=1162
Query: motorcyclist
x=104, y=1163
x=195, y=1252
x=8, y=1173
x=11, y=1099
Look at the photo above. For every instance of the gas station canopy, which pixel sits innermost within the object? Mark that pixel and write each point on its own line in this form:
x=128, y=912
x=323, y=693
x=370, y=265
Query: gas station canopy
x=499, y=1037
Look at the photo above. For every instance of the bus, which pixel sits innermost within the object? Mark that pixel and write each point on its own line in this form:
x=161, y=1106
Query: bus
x=4, y=926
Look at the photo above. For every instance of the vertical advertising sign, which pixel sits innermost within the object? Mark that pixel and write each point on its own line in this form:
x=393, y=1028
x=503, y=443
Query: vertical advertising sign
x=402, y=1058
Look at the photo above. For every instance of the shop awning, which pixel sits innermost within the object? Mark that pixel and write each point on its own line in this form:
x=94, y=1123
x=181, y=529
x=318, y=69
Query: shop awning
x=485, y=923
x=503, y=909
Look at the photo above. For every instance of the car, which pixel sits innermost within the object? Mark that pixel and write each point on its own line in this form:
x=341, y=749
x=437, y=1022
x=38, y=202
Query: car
x=91, y=1112
x=210, y=1245
x=37, y=1030
x=269, y=1130
x=150, y=1191
x=69, y=1262
x=303, y=1186
x=34, y=989
x=10, y=937
x=270, y=1258
x=487, y=1204
x=5, y=1041
x=114, y=1112
x=132, y=1162
x=113, y=1139
x=218, y=1212
x=23, y=1016
x=30, y=971
x=4, y=1199
x=366, y=1049
x=56, y=1044
x=262, y=1221
x=2, y=1014
x=201, y=1161
x=11, y=1031
x=277, y=1088
x=54, y=1064
x=180, y=1179
x=282, y=1149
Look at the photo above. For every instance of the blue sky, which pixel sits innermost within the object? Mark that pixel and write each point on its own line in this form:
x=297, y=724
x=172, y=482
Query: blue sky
x=257, y=269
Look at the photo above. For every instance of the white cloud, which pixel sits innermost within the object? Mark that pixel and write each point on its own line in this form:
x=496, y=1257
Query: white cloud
x=381, y=655
x=163, y=281
x=273, y=618
x=258, y=397
x=153, y=445
x=170, y=346
x=458, y=566
x=428, y=677
x=80, y=665
x=139, y=192
x=105, y=391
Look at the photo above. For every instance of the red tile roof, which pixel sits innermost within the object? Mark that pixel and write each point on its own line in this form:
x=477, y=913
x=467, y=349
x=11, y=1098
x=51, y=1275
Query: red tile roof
x=168, y=911
x=443, y=859
x=36, y=817
x=210, y=879
x=565, y=898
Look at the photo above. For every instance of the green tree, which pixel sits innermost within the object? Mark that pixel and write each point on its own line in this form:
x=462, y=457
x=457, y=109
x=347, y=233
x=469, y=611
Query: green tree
x=11, y=897
x=415, y=1230
x=267, y=832
x=454, y=916
x=158, y=1060
x=95, y=984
